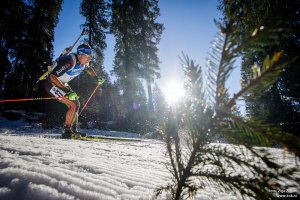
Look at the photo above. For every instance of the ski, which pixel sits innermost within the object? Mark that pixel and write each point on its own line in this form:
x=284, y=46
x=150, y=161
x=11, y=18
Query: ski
x=88, y=137
x=106, y=138
x=93, y=138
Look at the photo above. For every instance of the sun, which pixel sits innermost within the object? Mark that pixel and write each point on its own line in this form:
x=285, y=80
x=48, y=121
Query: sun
x=173, y=92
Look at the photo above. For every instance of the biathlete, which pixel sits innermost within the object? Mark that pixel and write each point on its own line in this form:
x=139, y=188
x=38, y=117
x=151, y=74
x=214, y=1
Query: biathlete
x=56, y=84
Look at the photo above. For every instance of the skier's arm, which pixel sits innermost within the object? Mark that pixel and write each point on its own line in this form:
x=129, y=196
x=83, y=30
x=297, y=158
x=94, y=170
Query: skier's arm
x=59, y=84
x=63, y=65
x=70, y=94
x=91, y=71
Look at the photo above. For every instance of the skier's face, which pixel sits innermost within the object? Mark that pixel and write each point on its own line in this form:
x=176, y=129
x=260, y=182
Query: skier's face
x=84, y=59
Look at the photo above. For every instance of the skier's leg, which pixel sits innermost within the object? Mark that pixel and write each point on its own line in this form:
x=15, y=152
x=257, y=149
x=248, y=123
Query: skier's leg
x=70, y=115
x=72, y=107
x=74, y=126
x=75, y=119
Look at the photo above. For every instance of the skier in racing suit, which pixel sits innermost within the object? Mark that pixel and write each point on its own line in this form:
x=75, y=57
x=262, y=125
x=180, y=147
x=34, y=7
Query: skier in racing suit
x=56, y=84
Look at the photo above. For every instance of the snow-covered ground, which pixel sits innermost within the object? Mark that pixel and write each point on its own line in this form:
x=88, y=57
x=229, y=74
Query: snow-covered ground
x=35, y=164
x=48, y=168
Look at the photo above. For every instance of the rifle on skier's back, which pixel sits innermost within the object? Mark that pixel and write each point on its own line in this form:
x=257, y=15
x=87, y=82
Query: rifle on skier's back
x=65, y=52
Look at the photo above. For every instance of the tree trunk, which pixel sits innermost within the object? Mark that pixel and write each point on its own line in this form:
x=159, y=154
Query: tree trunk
x=3, y=67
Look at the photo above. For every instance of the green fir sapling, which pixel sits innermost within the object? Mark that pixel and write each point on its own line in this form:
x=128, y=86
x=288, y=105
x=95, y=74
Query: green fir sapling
x=208, y=110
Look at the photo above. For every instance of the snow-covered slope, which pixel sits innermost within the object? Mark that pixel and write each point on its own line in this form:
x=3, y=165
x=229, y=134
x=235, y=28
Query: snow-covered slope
x=48, y=168
x=36, y=165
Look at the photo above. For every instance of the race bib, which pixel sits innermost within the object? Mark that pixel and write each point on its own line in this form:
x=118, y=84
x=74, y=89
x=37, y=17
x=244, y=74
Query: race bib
x=57, y=92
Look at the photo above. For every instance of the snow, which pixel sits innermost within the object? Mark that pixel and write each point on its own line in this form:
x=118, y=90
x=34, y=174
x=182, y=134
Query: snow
x=48, y=168
x=35, y=164
x=32, y=128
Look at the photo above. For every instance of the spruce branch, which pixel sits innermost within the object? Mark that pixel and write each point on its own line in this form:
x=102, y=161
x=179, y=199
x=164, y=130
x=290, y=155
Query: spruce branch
x=265, y=131
x=170, y=151
x=252, y=83
x=201, y=119
x=270, y=70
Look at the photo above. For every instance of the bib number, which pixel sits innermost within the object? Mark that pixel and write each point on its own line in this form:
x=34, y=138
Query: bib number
x=57, y=92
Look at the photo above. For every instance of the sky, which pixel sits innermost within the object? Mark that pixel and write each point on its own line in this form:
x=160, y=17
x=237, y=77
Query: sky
x=189, y=29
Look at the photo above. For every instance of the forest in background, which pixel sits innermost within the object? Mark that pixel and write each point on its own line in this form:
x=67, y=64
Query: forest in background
x=27, y=50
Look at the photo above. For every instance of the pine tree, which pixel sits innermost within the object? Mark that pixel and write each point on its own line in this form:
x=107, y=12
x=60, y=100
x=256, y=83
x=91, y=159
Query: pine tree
x=12, y=15
x=33, y=45
x=160, y=105
x=149, y=37
x=38, y=47
x=209, y=111
x=126, y=29
x=97, y=22
x=96, y=13
x=280, y=102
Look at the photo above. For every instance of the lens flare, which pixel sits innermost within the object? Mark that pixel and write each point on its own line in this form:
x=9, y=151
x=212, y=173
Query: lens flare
x=173, y=92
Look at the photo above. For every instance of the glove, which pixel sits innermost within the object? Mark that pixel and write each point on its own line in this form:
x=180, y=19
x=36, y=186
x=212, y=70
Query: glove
x=72, y=96
x=101, y=81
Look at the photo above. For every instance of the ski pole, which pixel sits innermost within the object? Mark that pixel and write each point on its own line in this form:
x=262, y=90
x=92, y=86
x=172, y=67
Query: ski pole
x=27, y=99
x=89, y=98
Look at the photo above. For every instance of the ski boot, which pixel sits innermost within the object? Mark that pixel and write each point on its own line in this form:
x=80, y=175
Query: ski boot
x=74, y=129
x=69, y=134
x=79, y=133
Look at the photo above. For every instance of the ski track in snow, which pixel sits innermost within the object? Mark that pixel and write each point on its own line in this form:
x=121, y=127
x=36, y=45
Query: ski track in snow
x=49, y=168
x=34, y=167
